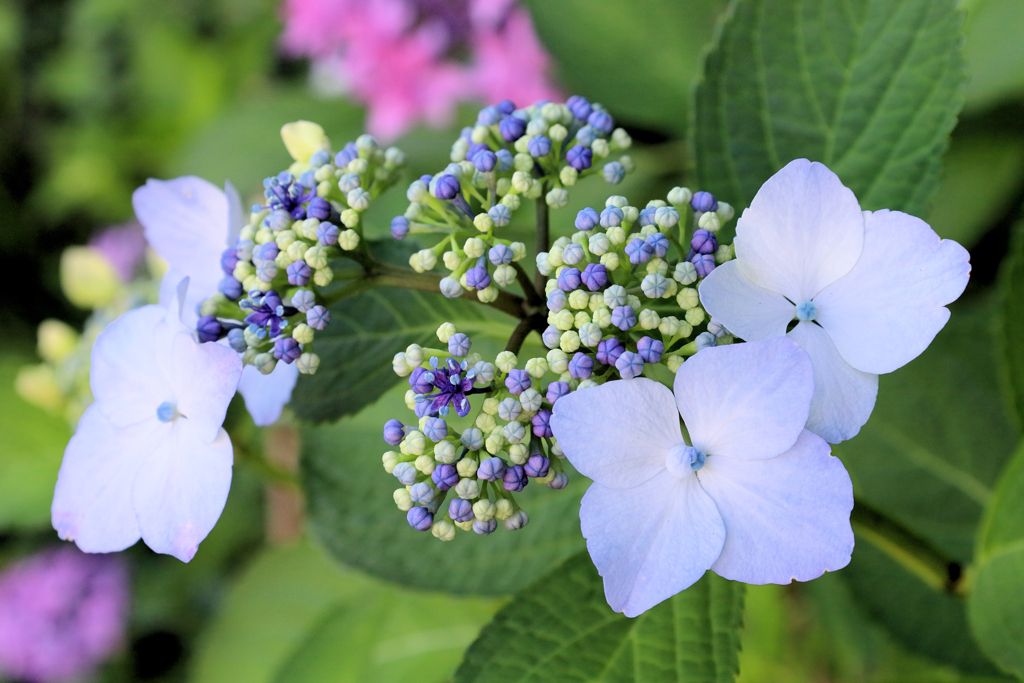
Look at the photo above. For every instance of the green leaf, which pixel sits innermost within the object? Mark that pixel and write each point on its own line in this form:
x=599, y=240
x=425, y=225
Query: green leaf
x=868, y=87
x=639, y=59
x=365, y=333
x=1010, y=328
x=994, y=51
x=295, y=616
x=352, y=512
x=996, y=605
x=561, y=629
x=33, y=446
x=929, y=457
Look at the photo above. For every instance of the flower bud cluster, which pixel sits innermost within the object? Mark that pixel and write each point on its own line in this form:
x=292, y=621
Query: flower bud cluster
x=269, y=305
x=479, y=469
x=510, y=155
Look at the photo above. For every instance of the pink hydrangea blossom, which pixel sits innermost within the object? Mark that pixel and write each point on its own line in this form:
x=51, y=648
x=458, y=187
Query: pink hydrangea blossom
x=62, y=612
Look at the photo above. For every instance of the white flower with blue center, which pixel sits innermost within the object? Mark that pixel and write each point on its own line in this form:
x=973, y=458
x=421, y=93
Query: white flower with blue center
x=189, y=223
x=753, y=496
x=149, y=458
x=866, y=290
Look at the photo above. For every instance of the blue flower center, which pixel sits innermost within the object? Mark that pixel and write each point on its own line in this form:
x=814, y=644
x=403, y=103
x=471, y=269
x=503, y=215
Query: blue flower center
x=683, y=460
x=806, y=311
x=166, y=411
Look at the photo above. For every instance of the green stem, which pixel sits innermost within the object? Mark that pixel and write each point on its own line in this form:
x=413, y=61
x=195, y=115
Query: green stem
x=532, y=295
x=522, y=331
x=542, y=234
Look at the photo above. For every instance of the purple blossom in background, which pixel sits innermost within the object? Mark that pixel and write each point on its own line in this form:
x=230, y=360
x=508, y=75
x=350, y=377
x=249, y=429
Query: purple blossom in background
x=123, y=246
x=62, y=612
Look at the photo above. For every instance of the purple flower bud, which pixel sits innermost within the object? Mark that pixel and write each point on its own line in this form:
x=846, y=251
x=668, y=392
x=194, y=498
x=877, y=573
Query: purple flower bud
x=704, y=263
x=556, y=390
x=421, y=381
x=703, y=202
x=601, y=121
x=318, y=317
x=228, y=260
x=460, y=510
x=611, y=216
x=349, y=153
x=208, y=329
x=556, y=300
x=703, y=242
x=515, y=478
x=511, y=128
x=485, y=160
x=299, y=273
x=318, y=208
x=423, y=493
x=278, y=220
x=579, y=157
x=541, y=423
x=581, y=365
x=287, y=349
x=537, y=466
x=609, y=350
x=560, y=481
x=500, y=254
x=484, y=528
x=579, y=106
x=230, y=288
x=445, y=477
x=623, y=317
x=629, y=364
x=569, y=279
x=458, y=345
x=477, y=277
x=420, y=518
x=491, y=469
x=595, y=276
x=647, y=216
x=517, y=381
x=266, y=252
x=327, y=233
x=435, y=428
x=394, y=432
x=638, y=251
x=447, y=186
x=539, y=146
x=399, y=228
x=586, y=219
x=659, y=244
x=488, y=116
x=650, y=350
x=506, y=107
x=551, y=337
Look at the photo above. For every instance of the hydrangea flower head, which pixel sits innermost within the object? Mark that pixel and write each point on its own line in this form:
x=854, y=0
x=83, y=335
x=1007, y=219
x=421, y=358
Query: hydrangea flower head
x=867, y=290
x=753, y=496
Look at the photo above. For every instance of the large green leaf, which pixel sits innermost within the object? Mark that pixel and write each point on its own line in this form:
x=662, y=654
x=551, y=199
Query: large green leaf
x=33, y=446
x=352, y=512
x=1010, y=330
x=994, y=51
x=365, y=333
x=294, y=616
x=562, y=630
x=929, y=457
x=996, y=605
x=868, y=87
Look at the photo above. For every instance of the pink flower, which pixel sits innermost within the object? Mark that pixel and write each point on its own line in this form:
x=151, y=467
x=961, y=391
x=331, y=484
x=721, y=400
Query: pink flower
x=510, y=61
x=122, y=245
x=61, y=613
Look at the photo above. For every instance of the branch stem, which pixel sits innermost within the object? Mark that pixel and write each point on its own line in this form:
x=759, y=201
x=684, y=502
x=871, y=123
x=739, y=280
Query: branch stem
x=542, y=235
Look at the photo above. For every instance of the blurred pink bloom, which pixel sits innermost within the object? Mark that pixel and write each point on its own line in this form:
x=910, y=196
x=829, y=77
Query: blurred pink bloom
x=62, y=612
x=396, y=56
x=123, y=245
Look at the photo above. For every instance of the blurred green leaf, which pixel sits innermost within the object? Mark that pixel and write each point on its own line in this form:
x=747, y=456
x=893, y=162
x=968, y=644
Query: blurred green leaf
x=33, y=446
x=1010, y=328
x=561, y=629
x=295, y=616
x=994, y=51
x=352, y=512
x=996, y=605
x=929, y=457
x=365, y=333
x=867, y=87
x=639, y=58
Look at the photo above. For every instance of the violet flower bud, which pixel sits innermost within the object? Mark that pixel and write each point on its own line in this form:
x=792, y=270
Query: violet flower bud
x=477, y=277
x=650, y=350
x=537, y=466
x=394, y=432
x=623, y=317
x=208, y=328
x=435, y=428
x=581, y=366
x=420, y=518
x=594, y=276
x=447, y=186
x=514, y=479
x=458, y=345
x=460, y=510
x=569, y=279
x=491, y=469
x=444, y=477
x=511, y=128
x=539, y=146
x=659, y=244
x=556, y=300
x=638, y=251
x=703, y=202
x=601, y=121
x=299, y=273
x=399, y=228
x=303, y=300
x=579, y=157
x=541, y=423
x=552, y=336
x=318, y=208
x=517, y=381
x=609, y=350
x=579, y=106
x=485, y=160
x=484, y=528
x=423, y=493
x=228, y=261
x=586, y=219
x=500, y=254
x=318, y=317
x=556, y=390
x=518, y=520
x=406, y=473
x=703, y=242
x=287, y=349
x=703, y=263
x=629, y=364
x=421, y=380
x=230, y=288
x=560, y=481
x=611, y=216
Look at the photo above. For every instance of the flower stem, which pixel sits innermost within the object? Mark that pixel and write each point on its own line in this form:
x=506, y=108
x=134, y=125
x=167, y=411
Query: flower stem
x=542, y=234
x=522, y=331
x=532, y=295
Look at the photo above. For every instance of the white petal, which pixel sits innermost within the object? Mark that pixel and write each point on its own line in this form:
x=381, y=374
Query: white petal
x=843, y=395
x=803, y=231
x=651, y=541
x=619, y=433
x=786, y=518
x=266, y=395
x=888, y=309
x=92, y=500
x=205, y=378
x=124, y=373
x=748, y=311
x=747, y=401
x=236, y=214
x=180, y=490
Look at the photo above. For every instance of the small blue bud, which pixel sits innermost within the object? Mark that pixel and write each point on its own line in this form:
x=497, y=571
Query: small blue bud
x=647, y=216
x=318, y=317
x=611, y=216
x=601, y=121
x=318, y=208
x=460, y=510
x=703, y=242
x=287, y=349
x=500, y=214
x=579, y=106
x=485, y=160
x=623, y=317
x=228, y=261
x=514, y=478
x=595, y=276
x=650, y=349
x=517, y=381
x=666, y=217
x=278, y=220
x=705, y=340
x=208, y=329
x=556, y=300
x=569, y=279
x=346, y=155
x=491, y=469
x=703, y=263
x=703, y=202
x=659, y=244
x=512, y=128
x=537, y=466
x=299, y=273
x=500, y=254
x=614, y=172
x=505, y=107
x=581, y=366
x=579, y=157
x=629, y=365
x=638, y=251
x=551, y=337
x=230, y=288
x=539, y=146
x=458, y=346
x=505, y=159
x=586, y=136
x=319, y=158
x=405, y=472
x=556, y=390
x=587, y=219
x=477, y=276
x=609, y=350
x=421, y=380
x=399, y=227
x=485, y=528
x=420, y=518
x=444, y=477
x=542, y=423
x=236, y=340
x=447, y=186
x=394, y=432
x=422, y=493
x=303, y=300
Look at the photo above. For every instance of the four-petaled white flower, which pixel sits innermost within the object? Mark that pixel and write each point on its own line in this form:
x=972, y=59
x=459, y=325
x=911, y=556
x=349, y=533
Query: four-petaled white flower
x=755, y=497
x=868, y=290
x=189, y=223
x=149, y=458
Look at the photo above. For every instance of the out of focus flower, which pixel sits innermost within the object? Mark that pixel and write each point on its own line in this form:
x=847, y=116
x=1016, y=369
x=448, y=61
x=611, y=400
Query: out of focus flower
x=61, y=614
x=124, y=246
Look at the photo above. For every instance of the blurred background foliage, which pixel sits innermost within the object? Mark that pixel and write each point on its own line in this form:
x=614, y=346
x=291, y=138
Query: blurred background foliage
x=98, y=95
